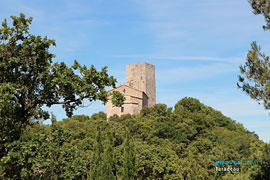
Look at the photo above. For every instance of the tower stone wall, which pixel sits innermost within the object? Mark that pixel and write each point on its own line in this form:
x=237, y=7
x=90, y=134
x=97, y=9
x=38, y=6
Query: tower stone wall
x=139, y=90
x=141, y=76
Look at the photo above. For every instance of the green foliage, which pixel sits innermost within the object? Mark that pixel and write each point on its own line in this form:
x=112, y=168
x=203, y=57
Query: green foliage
x=190, y=104
x=99, y=116
x=44, y=155
x=118, y=99
x=158, y=143
x=264, y=171
x=256, y=82
x=30, y=80
x=254, y=78
x=262, y=7
x=53, y=118
x=102, y=166
x=129, y=166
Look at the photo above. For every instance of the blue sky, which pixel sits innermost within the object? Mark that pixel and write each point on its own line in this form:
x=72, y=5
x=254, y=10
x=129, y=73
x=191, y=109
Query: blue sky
x=196, y=46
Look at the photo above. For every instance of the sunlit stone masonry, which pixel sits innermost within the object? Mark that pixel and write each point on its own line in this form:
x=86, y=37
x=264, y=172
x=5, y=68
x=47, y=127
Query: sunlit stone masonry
x=139, y=90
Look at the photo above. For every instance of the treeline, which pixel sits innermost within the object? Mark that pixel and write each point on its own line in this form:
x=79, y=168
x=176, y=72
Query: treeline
x=159, y=143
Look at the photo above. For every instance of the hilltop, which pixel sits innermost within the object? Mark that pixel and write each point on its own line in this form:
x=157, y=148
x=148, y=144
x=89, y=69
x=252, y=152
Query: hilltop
x=183, y=142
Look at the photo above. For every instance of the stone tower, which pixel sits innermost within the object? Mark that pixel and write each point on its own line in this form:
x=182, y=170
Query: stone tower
x=141, y=76
x=139, y=90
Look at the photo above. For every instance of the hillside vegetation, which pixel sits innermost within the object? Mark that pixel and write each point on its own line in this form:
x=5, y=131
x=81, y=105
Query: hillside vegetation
x=159, y=143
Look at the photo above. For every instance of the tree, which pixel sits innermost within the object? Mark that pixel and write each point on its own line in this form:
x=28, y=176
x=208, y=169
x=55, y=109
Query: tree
x=43, y=153
x=29, y=80
x=103, y=165
x=137, y=147
x=108, y=157
x=264, y=171
x=255, y=78
x=129, y=166
x=256, y=70
x=262, y=7
x=96, y=162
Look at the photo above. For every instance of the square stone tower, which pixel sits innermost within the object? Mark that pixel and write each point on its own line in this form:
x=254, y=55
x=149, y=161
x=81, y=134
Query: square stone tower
x=139, y=90
x=141, y=76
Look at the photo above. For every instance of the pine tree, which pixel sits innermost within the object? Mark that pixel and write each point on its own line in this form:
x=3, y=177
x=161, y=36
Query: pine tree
x=102, y=166
x=108, y=157
x=129, y=167
x=96, y=164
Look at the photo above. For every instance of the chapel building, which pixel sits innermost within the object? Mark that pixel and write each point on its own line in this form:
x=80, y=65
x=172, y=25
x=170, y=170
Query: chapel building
x=139, y=90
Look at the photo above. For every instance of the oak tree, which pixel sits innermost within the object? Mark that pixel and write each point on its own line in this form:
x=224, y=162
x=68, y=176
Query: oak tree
x=29, y=80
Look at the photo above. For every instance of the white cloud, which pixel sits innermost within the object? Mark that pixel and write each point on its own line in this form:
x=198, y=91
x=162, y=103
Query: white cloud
x=177, y=26
x=182, y=58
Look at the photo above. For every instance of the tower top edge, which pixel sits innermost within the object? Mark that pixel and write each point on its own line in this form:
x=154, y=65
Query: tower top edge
x=142, y=63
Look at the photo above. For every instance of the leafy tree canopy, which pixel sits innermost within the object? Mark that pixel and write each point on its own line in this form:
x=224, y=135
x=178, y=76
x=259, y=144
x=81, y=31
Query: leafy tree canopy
x=29, y=79
x=157, y=144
